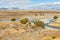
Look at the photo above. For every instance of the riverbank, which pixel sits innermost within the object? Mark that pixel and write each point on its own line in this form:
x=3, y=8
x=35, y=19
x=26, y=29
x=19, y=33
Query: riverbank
x=17, y=31
x=56, y=24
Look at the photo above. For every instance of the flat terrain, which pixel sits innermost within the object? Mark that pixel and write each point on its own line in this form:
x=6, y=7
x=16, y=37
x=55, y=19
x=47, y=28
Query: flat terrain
x=17, y=31
x=8, y=14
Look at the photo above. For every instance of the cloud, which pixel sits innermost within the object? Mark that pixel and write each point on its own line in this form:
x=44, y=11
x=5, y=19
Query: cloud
x=19, y=3
x=27, y=4
x=48, y=5
x=14, y=3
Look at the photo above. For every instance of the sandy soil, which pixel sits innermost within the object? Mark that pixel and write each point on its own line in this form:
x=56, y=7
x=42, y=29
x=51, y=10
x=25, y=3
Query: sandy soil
x=55, y=24
x=17, y=32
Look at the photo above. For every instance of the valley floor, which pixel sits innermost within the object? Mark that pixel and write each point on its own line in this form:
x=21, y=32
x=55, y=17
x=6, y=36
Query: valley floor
x=18, y=31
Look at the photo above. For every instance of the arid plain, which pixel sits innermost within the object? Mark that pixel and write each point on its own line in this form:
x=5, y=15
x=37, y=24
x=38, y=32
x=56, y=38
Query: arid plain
x=15, y=30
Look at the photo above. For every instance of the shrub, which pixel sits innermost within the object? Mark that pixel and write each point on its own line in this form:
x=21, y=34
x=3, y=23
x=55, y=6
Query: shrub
x=39, y=24
x=53, y=37
x=24, y=21
x=55, y=17
x=13, y=19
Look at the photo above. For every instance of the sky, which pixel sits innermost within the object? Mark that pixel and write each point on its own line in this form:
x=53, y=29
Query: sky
x=26, y=4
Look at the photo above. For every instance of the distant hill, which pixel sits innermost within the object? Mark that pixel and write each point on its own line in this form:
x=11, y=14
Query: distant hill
x=37, y=7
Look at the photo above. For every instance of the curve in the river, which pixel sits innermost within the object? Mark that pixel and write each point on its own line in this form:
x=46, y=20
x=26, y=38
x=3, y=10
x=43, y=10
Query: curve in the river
x=46, y=24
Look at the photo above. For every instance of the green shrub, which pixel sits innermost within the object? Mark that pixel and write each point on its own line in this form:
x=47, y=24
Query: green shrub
x=39, y=24
x=55, y=17
x=24, y=21
x=13, y=19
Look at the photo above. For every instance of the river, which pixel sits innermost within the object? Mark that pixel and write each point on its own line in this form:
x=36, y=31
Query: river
x=46, y=21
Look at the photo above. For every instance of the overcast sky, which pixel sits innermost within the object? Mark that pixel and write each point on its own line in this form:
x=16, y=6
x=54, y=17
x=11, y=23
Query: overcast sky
x=23, y=4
